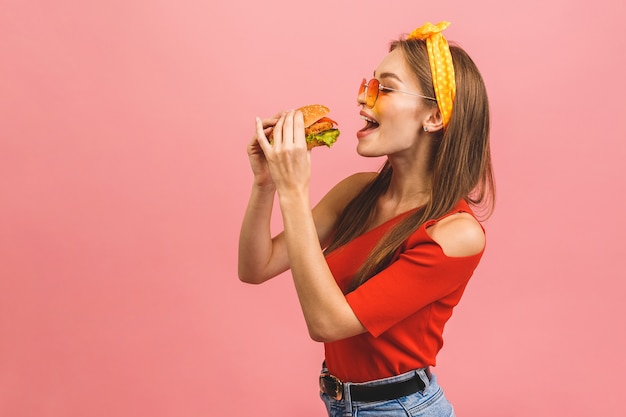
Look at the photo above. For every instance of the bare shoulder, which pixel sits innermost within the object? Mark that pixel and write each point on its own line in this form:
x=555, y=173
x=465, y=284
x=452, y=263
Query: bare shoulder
x=348, y=188
x=459, y=235
x=357, y=181
x=327, y=212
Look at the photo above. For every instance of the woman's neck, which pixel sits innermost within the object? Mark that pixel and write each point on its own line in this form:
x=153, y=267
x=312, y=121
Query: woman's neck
x=409, y=187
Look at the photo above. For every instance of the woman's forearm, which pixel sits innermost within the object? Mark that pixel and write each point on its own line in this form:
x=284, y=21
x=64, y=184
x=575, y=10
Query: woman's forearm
x=256, y=262
x=327, y=313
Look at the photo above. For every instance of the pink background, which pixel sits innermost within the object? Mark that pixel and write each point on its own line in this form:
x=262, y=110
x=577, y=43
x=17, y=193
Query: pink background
x=123, y=179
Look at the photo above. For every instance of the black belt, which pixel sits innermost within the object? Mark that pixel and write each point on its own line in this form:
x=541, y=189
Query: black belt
x=333, y=387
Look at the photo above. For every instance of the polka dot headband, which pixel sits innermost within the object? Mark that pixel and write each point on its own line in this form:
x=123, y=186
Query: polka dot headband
x=440, y=65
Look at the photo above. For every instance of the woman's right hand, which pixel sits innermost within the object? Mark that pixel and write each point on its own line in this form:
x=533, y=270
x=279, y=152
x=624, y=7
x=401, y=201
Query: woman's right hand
x=258, y=163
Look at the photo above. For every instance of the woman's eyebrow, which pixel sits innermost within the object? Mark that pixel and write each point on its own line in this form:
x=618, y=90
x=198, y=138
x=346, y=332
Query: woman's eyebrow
x=389, y=75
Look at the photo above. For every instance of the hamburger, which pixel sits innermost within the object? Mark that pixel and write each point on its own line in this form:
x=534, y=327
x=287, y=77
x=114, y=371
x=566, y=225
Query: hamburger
x=318, y=129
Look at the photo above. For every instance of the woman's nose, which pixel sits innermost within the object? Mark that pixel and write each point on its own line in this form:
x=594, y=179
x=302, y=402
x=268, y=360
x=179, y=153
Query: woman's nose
x=361, y=98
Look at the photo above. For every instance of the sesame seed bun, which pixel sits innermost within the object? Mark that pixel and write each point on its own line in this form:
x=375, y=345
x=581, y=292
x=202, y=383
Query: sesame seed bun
x=313, y=112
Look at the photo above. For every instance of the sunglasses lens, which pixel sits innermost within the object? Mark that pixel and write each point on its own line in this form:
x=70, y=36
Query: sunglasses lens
x=362, y=87
x=371, y=91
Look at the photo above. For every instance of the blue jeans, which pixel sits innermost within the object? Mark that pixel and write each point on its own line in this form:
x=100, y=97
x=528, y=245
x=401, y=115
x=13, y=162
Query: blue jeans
x=431, y=402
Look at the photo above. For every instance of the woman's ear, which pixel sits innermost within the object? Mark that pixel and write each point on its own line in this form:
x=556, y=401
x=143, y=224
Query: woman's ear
x=434, y=122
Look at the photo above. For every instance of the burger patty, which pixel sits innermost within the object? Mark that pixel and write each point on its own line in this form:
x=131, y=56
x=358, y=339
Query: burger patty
x=318, y=127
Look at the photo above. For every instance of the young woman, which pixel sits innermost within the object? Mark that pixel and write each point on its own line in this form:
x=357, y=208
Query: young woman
x=379, y=263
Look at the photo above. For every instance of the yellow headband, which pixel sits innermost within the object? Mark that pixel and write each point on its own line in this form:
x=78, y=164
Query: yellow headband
x=440, y=65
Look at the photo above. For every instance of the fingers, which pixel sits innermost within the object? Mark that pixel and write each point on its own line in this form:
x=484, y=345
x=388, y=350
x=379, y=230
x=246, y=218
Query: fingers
x=290, y=130
x=268, y=125
x=278, y=131
x=271, y=121
x=260, y=136
x=298, y=129
x=286, y=159
x=287, y=127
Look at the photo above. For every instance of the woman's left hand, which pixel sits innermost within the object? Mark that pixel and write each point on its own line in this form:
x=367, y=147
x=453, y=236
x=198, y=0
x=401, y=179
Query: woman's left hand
x=288, y=158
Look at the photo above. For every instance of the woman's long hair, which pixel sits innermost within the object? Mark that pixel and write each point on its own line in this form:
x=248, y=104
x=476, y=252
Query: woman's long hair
x=460, y=163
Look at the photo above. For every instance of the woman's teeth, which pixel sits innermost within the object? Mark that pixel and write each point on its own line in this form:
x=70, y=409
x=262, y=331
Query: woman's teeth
x=370, y=122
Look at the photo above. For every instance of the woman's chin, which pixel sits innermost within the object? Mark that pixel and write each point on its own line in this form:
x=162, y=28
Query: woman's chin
x=367, y=151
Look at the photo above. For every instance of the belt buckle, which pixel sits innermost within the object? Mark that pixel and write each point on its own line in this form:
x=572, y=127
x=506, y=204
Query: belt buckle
x=331, y=385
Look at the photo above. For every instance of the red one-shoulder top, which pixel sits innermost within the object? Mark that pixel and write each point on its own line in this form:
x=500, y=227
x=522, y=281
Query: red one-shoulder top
x=404, y=308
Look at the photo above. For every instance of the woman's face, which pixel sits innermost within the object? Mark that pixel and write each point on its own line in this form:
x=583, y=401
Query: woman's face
x=396, y=120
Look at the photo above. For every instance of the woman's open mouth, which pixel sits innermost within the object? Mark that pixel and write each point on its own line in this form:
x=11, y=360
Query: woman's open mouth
x=370, y=126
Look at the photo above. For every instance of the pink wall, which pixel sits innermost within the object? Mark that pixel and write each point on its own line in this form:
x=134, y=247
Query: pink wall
x=123, y=178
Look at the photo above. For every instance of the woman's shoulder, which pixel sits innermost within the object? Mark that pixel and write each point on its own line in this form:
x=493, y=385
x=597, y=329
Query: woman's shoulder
x=329, y=209
x=459, y=234
x=358, y=180
x=350, y=186
x=344, y=191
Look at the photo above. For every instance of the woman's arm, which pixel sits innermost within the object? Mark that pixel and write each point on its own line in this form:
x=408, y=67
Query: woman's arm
x=256, y=262
x=261, y=256
x=326, y=311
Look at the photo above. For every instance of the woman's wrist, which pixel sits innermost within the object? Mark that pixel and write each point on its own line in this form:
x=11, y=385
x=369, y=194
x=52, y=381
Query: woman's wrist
x=269, y=188
x=293, y=200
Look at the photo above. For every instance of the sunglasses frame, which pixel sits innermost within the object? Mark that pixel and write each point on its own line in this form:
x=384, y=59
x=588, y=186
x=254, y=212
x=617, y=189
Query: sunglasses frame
x=365, y=89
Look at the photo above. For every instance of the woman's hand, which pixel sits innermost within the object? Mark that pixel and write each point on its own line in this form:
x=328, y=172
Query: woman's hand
x=287, y=158
x=258, y=162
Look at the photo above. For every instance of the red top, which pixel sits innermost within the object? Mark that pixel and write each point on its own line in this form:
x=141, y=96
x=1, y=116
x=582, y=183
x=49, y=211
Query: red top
x=404, y=308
